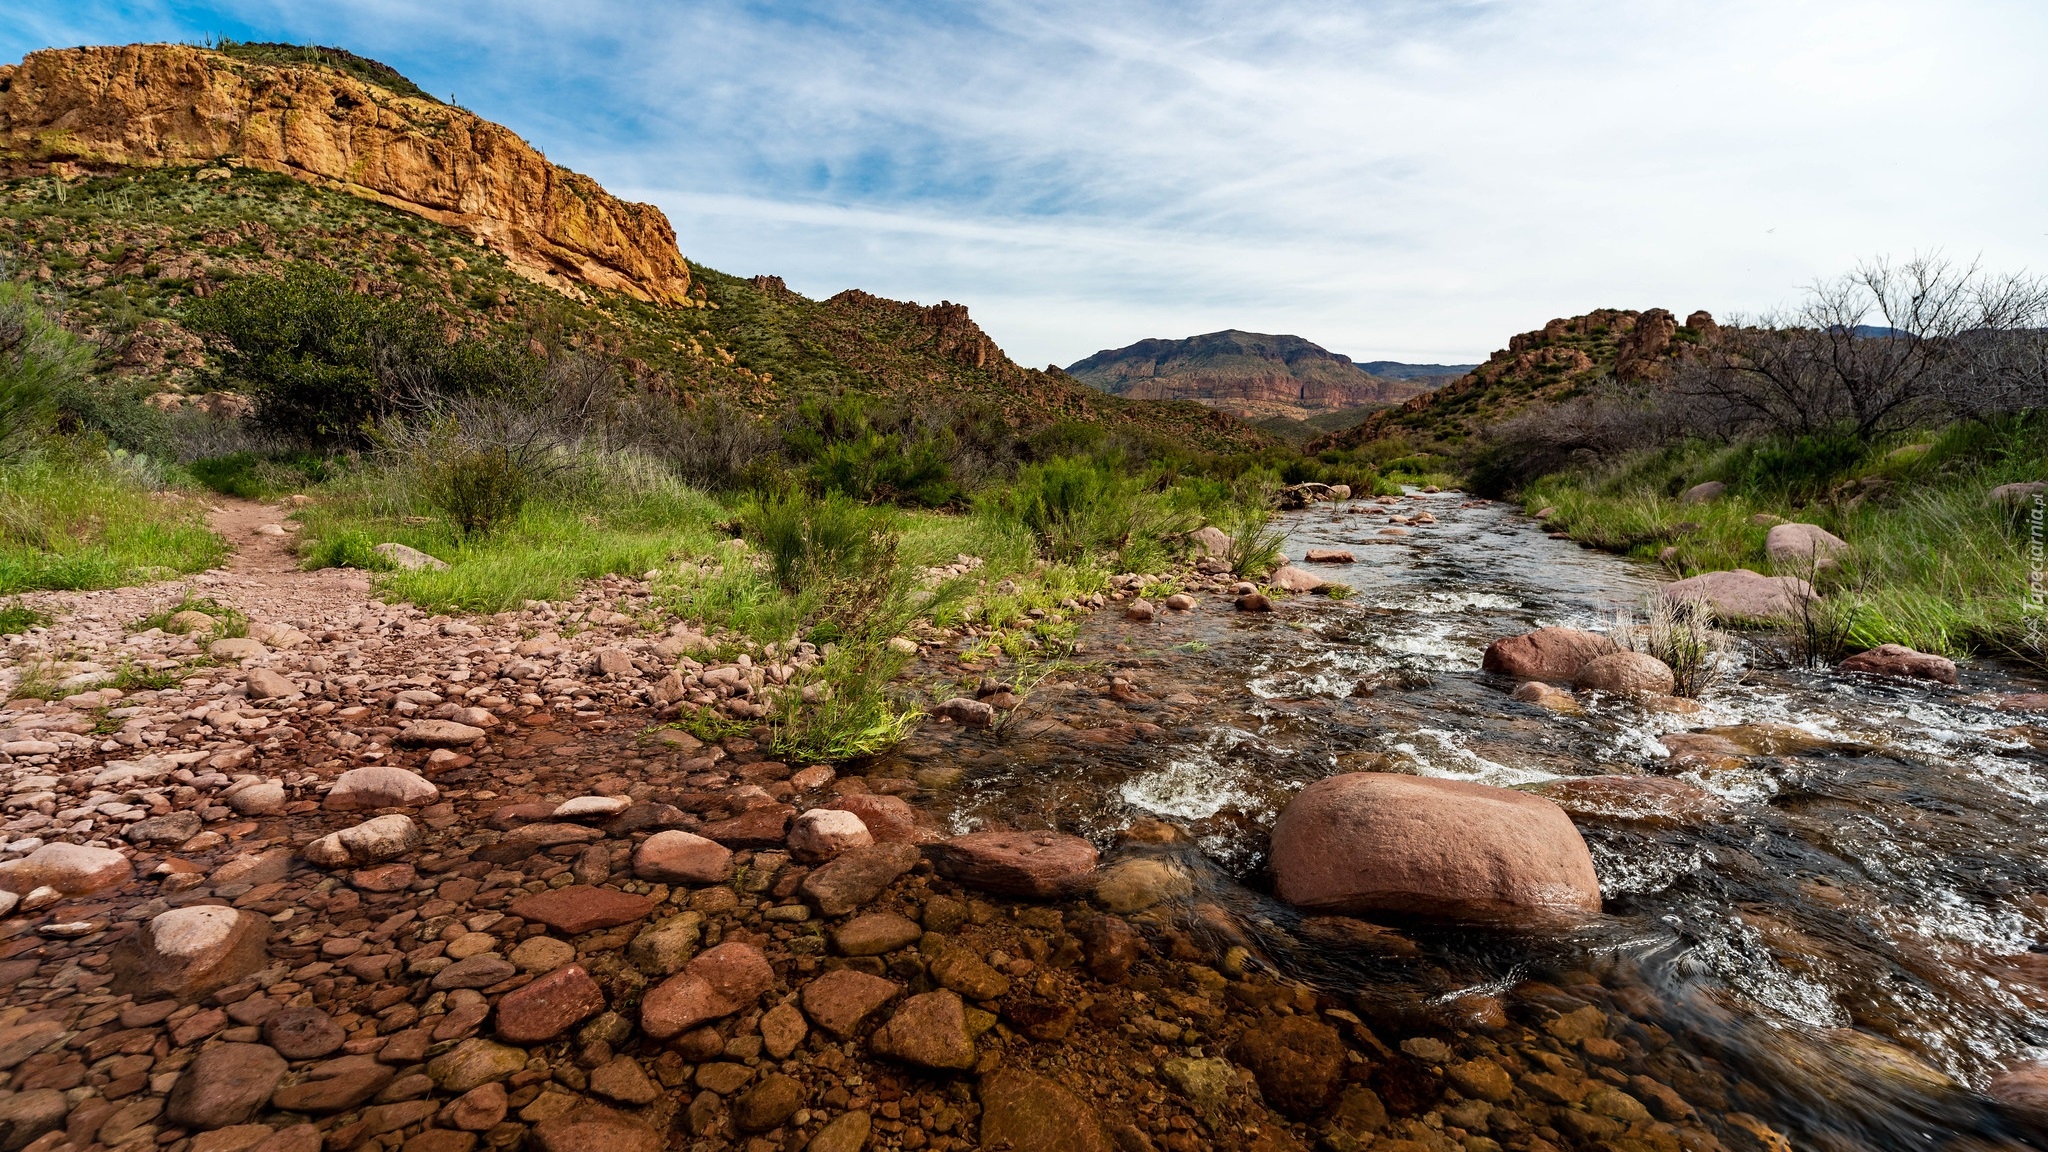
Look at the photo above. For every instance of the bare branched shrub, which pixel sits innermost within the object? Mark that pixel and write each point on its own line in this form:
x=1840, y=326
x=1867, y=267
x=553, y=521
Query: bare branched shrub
x=1884, y=347
x=1681, y=633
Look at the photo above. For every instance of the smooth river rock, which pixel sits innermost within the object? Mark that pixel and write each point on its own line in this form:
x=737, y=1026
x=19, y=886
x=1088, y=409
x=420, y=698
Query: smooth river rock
x=1553, y=655
x=1377, y=842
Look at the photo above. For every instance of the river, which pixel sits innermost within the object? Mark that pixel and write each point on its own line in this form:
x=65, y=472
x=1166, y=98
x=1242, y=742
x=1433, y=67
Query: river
x=1850, y=948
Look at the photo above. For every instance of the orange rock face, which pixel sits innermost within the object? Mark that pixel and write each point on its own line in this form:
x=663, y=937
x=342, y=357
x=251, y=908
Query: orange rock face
x=159, y=105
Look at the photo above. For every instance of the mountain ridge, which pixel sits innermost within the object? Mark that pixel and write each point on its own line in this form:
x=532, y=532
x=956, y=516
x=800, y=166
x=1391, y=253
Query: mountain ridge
x=1255, y=375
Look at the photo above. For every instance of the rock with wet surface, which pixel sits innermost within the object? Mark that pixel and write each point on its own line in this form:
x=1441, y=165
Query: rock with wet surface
x=1040, y=865
x=928, y=1031
x=373, y=841
x=677, y=857
x=189, y=952
x=822, y=834
x=1554, y=655
x=224, y=1085
x=1626, y=674
x=1288, y=578
x=1898, y=662
x=1369, y=842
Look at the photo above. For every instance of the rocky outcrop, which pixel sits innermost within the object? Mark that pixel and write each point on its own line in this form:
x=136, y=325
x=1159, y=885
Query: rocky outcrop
x=162, y=105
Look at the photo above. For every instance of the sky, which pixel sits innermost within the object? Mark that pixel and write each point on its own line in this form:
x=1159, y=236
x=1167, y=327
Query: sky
x=1391, y=179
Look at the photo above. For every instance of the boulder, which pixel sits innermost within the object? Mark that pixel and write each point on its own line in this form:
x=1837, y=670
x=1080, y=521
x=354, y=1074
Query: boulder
x=1554, y=655
x=1254, y=602
x=373, y=841
x=2023, y=1091
x=1140, y=610
x=1626, y=674
x=1029, y=1113
x=1180, y=602
x=1209, y=540
x=237, y=648
x=1375, y=842
x=823, y=833
x=1740, y=594
x=719, y=982
x=929, y=1031
x=1803, y=547
x=225, y=1085
x=189, y=952
x=1703, y=493
x=2020, y=493
x=1899, y=662
x=1288, y=578
x=264, y=798
x=408, y=558
x=1040, y=865
x=677, y=857
x=1329, y=556
x=379, y=786
x=1547, y=697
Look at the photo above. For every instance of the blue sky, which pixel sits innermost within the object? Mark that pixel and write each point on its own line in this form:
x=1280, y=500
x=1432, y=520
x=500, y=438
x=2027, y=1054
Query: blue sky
x=1394, y=180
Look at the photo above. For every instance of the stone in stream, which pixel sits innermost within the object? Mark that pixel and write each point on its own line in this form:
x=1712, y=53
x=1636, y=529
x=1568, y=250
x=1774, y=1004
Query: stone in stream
x=1180, y=602
x=1546, y=696
x=841, y=1000
x=929, y=1031
x=303, y=1033
x=1298, y=1062
x=1626, y=674
x=1254, y=602
x=25, y=1116
x=439, y=734
x=1803, y=546
x=677, y=857
x=720, y=982
x=1030, y=1113
x=580, y=908
x=379, y=786
x=371, y=842
x=474, y=1063
x=1329, y=556
x=763, y=827
x=188, y=952
x=225, y=1085
x=1209, y=541
x=966, y=713
x=1040, y=865
x=888, y=818
x=591, y=1127
x=1554, y=655
x=1377, y=842
x=335, y=1085
x=662, y=949
x=823, y=833
x=1899, y=662
x=1140, y=610
x=1739, y=594
x=174, y=828
x=875, y=934
x=549, y=1006
x=263, y=798
x=856, y=877
x=1288, y=578
x=2023, y=1091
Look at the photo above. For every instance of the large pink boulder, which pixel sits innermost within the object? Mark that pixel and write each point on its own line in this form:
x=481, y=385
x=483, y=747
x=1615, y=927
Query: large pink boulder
x=1803, y=547
x=1739, y=594
x=1554, y=655
x=1626, y=674
x=678, y=857
x=1901, y=663
x=1377, y=842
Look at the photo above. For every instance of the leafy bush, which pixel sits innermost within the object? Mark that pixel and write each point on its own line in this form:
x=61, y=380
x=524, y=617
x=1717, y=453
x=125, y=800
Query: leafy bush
x=37, y=358
x=480, y=487
x=1077, y=509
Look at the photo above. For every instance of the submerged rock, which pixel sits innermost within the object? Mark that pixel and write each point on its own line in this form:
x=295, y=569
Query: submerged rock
x=1901, y=663
x=1626, y=674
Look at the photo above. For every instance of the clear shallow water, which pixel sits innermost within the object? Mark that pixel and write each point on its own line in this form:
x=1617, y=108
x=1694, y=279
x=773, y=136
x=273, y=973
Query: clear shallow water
x=1853, y=940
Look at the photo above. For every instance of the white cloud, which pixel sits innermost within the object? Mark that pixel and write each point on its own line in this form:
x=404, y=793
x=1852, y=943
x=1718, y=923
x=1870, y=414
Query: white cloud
x=1406, y=180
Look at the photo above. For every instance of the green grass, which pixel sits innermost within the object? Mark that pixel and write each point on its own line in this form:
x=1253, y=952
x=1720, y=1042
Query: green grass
x=1932, y=564
x=75, y=518
x=16, y=618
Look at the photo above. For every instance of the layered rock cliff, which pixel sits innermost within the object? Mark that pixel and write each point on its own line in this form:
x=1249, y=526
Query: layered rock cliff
x=159, y=105
x=1249, y=373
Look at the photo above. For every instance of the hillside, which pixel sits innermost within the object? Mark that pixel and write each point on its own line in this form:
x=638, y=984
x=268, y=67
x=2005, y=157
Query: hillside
x=140, y=177
x=1251, y=374
x=1551, y=363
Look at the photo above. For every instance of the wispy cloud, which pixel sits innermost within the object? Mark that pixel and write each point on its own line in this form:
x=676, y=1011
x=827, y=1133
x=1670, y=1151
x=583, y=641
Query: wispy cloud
x=1413, y=180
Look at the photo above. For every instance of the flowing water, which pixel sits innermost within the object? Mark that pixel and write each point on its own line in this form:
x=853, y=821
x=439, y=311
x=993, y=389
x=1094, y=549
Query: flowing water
x=1850, y=948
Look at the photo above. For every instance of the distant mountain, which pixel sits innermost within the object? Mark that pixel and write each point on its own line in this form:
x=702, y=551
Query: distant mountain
x=1395, y=370
x=1253, y=374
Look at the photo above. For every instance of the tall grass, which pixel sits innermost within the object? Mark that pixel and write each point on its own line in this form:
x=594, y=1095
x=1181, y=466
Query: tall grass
x=1932, y=563
x=73, y=517
x=1078, y=508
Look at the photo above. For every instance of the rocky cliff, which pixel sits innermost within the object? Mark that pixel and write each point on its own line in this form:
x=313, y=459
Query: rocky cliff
x=1252, y=374
x=162, y=105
